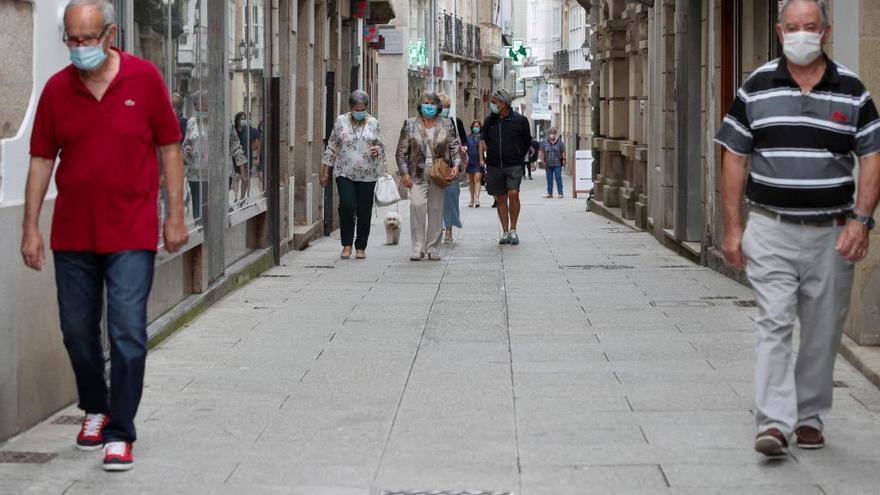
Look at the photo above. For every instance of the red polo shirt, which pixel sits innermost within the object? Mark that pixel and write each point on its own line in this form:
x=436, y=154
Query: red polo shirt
x=108, y=174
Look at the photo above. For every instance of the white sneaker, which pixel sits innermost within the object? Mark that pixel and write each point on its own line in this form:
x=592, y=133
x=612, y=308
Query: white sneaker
x=117, y=456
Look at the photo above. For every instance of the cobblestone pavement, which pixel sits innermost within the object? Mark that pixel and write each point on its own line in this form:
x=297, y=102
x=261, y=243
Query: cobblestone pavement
x=589, y=359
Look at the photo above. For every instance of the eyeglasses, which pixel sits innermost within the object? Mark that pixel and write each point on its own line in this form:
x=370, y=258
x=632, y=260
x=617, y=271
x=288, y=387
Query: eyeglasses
x=74, y=41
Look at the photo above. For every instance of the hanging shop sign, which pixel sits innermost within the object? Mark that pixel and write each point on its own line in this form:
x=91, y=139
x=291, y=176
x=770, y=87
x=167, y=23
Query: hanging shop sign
x=371, y=33
x=417, y=53
x=393, y=41
x=518, y=52
x=360, y=9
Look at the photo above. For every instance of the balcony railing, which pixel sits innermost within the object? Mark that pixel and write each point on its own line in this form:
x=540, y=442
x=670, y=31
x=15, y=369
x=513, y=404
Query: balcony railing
x=459, y=41
x=560, y=62
x=569, y=62
x=491, y=47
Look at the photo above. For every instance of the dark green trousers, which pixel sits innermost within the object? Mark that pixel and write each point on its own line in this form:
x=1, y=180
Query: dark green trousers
x=355, y=206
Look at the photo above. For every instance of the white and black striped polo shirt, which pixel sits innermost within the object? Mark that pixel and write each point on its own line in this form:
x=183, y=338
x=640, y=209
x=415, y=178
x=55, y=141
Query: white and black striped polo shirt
x=802, y=146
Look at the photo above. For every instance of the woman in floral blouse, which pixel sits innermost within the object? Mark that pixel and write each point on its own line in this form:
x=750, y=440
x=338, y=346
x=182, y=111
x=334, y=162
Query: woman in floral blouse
x=356, y=155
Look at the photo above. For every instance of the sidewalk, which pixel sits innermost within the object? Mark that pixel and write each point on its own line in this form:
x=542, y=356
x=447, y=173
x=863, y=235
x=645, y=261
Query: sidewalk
x=588, y=359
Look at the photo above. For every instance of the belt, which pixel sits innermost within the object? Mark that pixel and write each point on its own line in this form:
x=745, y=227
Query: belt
x=826, y=222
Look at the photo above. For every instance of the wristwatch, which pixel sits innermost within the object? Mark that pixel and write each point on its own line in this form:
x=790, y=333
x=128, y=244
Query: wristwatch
x=868, y=221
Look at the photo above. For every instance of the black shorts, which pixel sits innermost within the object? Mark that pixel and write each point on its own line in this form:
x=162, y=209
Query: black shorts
x=499, y=180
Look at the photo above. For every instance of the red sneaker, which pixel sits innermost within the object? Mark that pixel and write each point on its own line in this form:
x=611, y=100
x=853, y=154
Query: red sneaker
x=117, y=456
x=91, y=435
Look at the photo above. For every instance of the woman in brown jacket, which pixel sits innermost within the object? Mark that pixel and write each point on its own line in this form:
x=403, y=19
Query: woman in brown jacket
x=422, y=140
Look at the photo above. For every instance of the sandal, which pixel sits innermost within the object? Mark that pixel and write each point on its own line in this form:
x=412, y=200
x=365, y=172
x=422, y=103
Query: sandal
x=470, y=204
x=345, y=255
x=434, y=257
x=360, y=254
x=417, y=257
x=477, y=204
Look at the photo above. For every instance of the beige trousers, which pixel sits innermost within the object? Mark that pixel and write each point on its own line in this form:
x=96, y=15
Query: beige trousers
x=798, y=277
x=426, y=215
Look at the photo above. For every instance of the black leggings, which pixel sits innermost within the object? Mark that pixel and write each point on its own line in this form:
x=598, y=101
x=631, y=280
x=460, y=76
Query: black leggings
x=355, y=202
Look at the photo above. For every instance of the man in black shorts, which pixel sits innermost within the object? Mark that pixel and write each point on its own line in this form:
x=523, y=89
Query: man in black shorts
x=508, y=137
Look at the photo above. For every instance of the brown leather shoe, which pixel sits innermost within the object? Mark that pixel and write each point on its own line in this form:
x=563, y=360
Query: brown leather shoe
x=809, y=438
x=772, y=443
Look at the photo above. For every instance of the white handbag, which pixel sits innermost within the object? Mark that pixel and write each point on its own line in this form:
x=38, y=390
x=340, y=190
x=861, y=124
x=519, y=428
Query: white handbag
x=386, y=191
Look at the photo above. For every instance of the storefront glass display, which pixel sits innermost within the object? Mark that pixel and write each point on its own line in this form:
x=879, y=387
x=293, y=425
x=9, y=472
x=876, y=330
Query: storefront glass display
x=245, y=101
x=171, y=34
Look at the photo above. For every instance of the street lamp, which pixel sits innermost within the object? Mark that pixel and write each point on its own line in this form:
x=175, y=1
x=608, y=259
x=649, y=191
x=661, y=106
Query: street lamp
x=242, y=50
x=585, y=51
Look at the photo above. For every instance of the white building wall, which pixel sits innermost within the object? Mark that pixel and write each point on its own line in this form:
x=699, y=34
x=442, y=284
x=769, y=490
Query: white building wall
x=50, y=56
x=544, y=29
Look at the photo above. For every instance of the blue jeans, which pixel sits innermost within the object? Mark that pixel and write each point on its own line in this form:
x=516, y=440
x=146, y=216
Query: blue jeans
x=551, y=173
x=81, y=278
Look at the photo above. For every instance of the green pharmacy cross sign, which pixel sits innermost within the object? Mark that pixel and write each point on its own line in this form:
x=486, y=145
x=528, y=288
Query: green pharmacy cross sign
x=518, y=52
x=418, y=53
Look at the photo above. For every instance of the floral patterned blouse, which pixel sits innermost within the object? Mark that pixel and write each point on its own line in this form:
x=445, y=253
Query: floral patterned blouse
x=348, y=149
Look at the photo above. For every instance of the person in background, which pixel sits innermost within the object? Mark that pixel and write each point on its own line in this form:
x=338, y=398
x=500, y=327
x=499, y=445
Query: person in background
x=422, y=139
x=507, y=136
x=475, y=163
x=355, y=154
x=191, y=145
x=177, y=103
x=534, y=151
x=553, y=156
x=793, y=134
x=239, y=175
x=105, y=231
x=452, y=194
x=251, y=142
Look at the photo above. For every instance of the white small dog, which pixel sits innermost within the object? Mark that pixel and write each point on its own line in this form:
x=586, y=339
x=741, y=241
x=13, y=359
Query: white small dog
x=392, y=228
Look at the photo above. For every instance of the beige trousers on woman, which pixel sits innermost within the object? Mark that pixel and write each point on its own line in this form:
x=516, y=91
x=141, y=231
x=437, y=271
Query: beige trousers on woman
x=426, y=215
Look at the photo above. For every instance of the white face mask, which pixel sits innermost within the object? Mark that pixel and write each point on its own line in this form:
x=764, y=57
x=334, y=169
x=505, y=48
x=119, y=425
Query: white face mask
x=802, y=47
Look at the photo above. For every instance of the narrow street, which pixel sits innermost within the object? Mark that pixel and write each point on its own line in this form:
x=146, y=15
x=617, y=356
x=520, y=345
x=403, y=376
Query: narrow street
x=588, y=359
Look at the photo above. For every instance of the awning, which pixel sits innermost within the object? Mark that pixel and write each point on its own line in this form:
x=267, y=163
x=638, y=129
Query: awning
x=381, y=11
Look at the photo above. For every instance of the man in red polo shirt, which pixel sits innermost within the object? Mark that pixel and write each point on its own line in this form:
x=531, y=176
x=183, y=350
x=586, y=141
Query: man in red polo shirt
x=107, y=114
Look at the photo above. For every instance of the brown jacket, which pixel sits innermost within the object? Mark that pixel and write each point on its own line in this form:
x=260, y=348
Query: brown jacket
x=411, y=147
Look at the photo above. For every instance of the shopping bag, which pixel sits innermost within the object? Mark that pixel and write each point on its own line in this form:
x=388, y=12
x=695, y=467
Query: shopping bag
x=386, y=191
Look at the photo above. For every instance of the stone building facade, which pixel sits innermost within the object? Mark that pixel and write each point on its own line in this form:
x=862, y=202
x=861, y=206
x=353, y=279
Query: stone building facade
x=571, y=65
x=666, y=75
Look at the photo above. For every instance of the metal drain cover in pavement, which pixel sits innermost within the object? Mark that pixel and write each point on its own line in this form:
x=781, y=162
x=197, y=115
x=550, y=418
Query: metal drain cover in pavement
x=746, y=304
x=68, y=420
x=597, y=267
x=26, y=457
x=443, y=492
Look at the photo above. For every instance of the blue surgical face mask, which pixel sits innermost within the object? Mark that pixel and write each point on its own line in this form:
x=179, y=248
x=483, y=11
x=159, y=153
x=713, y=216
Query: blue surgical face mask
x=476, y=130
x=429, y=110
x=444, y=113
x=494, y=108
x=359, y=115
x=88, y=57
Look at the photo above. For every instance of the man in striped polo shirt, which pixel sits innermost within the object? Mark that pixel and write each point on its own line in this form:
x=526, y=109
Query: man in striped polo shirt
x=802, y=120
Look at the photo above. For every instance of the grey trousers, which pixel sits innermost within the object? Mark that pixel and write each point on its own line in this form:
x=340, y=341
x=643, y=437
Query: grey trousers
x=426, y=215
x=797, y=275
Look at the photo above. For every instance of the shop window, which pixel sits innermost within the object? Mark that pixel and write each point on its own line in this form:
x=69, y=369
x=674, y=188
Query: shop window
x=172, y=36
x=246, y=71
